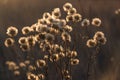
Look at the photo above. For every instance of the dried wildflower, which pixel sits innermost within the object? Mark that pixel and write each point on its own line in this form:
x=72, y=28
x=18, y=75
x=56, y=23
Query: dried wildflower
x=53, y=31
x=72, y=11
x=56, y=13
x=22, y=65
x=71, y=54
x=69, y=18
x=9, y=42
x=12, y=31
x=31, y=41
x=54, y=57
x=57, y=49
x=91, y=43
x=42, y=28
x=66, y=37
x=22, y=40
x=45, y=46
x=42, y=21
x=102, y=41
x=62, y=22
x=74, y=61
x=40, y=63
x=25, y=47
x=85, y=22
x=98, y=35
x=34, y=26
x=16, y=73
x=41, y=76
x=41, y=36
x=67, y=28
x=26, y=30
x=77, y=17
x=96, y=22
x=46, y=15
x=50, y=20
x=67, y=7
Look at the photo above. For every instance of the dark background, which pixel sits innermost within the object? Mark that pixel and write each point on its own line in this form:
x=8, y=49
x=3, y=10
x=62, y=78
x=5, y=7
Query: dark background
x=21, y=13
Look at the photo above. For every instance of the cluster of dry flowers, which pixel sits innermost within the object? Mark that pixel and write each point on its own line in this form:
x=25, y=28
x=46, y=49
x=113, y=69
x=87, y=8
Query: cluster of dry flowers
x=52, y=34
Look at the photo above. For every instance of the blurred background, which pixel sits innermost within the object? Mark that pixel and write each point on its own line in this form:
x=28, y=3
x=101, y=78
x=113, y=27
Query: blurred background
x=22, y=13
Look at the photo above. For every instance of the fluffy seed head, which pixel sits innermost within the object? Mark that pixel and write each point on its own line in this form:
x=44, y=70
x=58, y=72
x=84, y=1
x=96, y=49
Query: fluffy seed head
x=66, y=37
x=74, y=61
x=98, y=35
x=77, y=17
x=34, y=26
x=26, y=30
x=12, y=31
x=91, y=43
x=25, y=47
x=72, y=11
x=40, y=63
x=102, y=41
x=67, y=6
x=42, y=28
x=31, y=40
x=85, y=22
x=54, y=57
x=22, y=40
x=69, y=18
x=46, y=15
x=67, y=28
x=56, y=13
x=96, y=22
x=9, y=42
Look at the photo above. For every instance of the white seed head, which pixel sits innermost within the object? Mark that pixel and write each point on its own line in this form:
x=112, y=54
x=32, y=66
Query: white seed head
x=74, y=61
x=85, y=22
x=22, y=40
x=12, y=31
x=40, y=63
x=9, y=42
x=67, y=6
x=72, y=11
x=91, y=43
x=96, y=22
x=26, y=30
x=77, y=17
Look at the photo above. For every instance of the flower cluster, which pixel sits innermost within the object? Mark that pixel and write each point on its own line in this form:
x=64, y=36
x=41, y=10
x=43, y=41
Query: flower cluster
x=98, y=39
x=52, y=34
